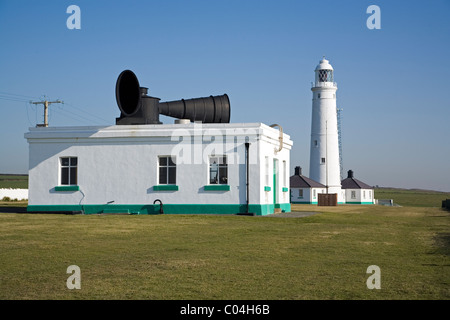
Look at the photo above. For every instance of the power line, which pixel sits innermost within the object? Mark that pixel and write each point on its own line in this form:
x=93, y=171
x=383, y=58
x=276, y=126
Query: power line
x=24, y=98
x=87, y=113
x=12, y=99
x=68, y=114
x=17, y=95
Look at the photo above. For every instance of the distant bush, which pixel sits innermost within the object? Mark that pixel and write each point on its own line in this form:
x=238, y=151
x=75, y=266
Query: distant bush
x=9, y=199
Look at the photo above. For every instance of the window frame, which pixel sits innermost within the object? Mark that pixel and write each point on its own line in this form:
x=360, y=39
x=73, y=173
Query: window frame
x=171, y=163
x=220, y=165
x=70, y=166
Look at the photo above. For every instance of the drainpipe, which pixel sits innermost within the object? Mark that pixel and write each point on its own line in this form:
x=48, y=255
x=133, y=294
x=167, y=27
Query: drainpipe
x=247, y=169
x=82, y=206
x=161, y=211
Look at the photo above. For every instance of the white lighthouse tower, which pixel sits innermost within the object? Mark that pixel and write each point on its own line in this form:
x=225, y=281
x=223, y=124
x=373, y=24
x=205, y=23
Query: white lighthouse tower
x=324, y=156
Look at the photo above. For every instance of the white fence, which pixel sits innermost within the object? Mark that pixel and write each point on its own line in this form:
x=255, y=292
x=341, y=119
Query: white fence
x=19, y=194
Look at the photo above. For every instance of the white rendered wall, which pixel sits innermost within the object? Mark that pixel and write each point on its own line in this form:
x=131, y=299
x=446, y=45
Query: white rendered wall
x=119, y=163
x=19, y=194
x=269, y=146
x=307, y=195
x=310, y=195
x=361, y=195
x=324, y=140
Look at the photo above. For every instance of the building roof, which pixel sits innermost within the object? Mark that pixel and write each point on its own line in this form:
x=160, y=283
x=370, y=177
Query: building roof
x=300, y=181
x=324, y=64
x=351, y=183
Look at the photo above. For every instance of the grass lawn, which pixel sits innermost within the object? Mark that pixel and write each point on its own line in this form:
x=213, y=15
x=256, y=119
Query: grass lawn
x=323, y=256
x=415, y=198
x=13, y=181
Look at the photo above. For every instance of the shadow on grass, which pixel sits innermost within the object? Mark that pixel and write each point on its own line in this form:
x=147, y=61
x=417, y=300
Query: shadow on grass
x=442, y=240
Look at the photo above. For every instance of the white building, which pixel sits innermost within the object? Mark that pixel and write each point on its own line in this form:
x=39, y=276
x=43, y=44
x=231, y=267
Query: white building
x=303, y=189
x=324, y=152
x=190, y=168
x=357, y=192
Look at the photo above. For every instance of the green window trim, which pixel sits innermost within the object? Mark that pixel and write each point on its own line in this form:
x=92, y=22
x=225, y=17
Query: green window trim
x=67, y=188
x=285, y=189
x=166, y=187
x=266, y=188
x=217, y=187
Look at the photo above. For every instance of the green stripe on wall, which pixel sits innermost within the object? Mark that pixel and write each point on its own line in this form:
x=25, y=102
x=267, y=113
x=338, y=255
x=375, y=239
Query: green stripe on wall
x=256, y=209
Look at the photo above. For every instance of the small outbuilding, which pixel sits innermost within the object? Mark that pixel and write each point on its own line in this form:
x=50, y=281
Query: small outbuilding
x=187, y=168
x=303, y=189
x=357, y=192
x=201, y=164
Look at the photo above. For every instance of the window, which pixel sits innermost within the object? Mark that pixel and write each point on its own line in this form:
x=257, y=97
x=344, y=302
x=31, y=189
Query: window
x=353, y=194
x=68, y=170
x=318, y=95
x=316, y=143
x=267, y=170
x=218, y=170
x=364, y=194
x=323, y=160
x=370, y=194
x=284, y=173
x=314, y=193
x=167, y=170
x=300, y=193
x=325, y=76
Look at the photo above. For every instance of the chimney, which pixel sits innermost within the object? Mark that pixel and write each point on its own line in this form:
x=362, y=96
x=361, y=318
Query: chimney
x=298, y=171
x=350, y=174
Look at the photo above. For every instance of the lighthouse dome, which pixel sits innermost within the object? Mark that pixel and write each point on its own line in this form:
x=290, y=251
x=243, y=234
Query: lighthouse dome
x=324, y=64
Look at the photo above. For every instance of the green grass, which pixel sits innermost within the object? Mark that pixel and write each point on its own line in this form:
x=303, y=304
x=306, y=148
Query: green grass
x=416, y=198
x=323, y=256
x=13, y=181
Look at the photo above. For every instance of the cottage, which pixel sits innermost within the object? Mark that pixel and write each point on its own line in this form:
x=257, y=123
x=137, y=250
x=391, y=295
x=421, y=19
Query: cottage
x=303, y=189
x=357, y=192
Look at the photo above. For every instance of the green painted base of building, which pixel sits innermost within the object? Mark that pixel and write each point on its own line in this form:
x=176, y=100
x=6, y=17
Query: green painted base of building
x=303, y=202
x=255, y=209
x=315, y=202
x=357, y=202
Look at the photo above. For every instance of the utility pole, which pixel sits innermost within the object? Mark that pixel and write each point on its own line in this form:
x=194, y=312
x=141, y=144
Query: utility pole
x=46, y=104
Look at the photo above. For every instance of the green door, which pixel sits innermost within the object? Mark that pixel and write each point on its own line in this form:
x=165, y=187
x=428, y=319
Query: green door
x=275, y=172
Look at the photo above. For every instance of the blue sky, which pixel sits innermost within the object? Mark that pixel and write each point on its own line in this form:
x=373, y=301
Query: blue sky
x=392, y=82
